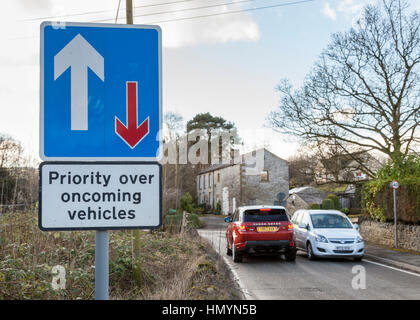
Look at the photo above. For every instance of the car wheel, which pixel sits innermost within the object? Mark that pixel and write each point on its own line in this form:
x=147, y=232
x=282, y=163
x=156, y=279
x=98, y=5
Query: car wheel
x=228, y=251
x=236, y=256
x=290, y=255
x=311, y=255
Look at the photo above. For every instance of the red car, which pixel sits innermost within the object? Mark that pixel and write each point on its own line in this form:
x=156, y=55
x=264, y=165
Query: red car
x=260, y=229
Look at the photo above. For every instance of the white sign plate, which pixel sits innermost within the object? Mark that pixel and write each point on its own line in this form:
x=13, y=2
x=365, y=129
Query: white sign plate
x=100, y=195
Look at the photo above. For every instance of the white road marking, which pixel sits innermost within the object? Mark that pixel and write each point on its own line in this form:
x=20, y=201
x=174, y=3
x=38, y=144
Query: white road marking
x=393, y=268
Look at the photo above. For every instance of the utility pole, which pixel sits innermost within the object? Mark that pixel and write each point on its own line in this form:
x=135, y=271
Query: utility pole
x=136, y=233
x=129, y=11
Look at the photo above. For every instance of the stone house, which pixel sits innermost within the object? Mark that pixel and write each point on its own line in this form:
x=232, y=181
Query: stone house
x=258, y=177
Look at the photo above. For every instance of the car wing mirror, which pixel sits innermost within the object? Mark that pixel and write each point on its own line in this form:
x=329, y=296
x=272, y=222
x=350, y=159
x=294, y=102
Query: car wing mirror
x=356, y=226
x=304, y=226
x=228, y=219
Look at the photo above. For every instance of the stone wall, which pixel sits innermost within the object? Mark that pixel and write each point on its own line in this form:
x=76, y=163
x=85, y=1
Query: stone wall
x=383, y=233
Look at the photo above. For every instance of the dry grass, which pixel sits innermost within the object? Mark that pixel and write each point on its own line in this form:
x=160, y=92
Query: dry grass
x=171, y=266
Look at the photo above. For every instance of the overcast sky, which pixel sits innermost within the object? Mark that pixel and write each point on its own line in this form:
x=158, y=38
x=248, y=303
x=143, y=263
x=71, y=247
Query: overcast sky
x=227, y=65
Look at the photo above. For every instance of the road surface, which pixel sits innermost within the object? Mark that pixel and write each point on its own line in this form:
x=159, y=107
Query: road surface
x=266, y=277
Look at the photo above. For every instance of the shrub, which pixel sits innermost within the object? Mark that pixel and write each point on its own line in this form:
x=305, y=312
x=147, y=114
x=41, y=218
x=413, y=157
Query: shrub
x=327, y=204
x=314, y=206
x=377, y=199
x=194, y=221
x=218, y=207
x=186, y=203
x=335, y=200
x=345, y=210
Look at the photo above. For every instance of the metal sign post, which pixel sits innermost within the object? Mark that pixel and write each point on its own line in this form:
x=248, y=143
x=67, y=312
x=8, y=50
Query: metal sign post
x=395, y=185
x=101, y=265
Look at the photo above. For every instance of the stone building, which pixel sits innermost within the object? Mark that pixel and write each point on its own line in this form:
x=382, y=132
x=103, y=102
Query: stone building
x=259, y=177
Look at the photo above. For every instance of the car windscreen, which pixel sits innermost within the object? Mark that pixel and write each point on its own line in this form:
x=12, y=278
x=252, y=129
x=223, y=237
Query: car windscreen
x=273, y=215
x=330, y=221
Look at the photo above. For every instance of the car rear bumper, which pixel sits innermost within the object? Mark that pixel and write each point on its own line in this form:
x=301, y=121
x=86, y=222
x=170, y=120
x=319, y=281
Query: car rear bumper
x=267, y=245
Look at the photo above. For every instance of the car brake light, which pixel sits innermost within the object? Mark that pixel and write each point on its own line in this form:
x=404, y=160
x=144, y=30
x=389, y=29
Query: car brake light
x=290, y=226
x=265, y=209
x=242, y=227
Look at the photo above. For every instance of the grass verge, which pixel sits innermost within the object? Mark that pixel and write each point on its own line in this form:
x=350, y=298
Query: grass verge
x=172, y=266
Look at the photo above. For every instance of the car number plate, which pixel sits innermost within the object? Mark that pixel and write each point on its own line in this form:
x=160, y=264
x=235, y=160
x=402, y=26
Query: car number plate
x=343, y=248
x=267, y=229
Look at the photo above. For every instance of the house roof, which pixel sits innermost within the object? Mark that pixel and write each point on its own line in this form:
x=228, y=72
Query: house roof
x=298, y=190
x=309, y=194
x=215, y=167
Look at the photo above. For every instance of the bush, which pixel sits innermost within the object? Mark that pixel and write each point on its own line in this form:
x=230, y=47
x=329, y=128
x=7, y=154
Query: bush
x=335, y=200
x=218, y=207
x=186, y=203
x=314, y=206
x=194, y=221
x=327, y=204
x=377, y=198
x=345, y=210
x=202, y=208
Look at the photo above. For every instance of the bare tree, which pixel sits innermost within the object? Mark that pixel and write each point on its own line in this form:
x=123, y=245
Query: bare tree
x=365, y=89
x=18, y=176
x=10, y=152
x=302, y=169
x=174, y=123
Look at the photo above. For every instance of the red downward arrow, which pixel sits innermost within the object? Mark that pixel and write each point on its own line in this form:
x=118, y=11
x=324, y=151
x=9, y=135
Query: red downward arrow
x=132, y=134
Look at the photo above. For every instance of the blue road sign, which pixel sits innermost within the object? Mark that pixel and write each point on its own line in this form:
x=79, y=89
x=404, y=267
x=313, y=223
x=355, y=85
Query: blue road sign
x=100, y=91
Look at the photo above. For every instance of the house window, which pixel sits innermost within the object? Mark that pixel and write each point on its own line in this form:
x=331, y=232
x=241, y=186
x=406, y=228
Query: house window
x=200, y=182
x=204, y=178
x=264, y=176
x=218, y=177
x=210, y=180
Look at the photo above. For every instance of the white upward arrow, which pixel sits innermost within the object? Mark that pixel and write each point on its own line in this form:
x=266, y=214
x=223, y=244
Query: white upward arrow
x=79, y=55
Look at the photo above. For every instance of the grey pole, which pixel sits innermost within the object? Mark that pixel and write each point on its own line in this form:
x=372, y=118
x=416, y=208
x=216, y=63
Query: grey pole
x=101, y=265
x=395, y=219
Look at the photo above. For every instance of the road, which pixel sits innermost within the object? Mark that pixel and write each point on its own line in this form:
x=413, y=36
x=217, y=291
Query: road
x=266, y=277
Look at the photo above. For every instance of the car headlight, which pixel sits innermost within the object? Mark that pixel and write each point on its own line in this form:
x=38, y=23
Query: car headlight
x=359, y=239
x=320, y=238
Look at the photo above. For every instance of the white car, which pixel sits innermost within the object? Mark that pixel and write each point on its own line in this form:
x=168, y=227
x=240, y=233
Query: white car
x=327, y=233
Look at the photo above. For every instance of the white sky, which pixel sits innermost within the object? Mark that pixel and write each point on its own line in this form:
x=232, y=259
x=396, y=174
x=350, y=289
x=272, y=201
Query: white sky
x=227, y=65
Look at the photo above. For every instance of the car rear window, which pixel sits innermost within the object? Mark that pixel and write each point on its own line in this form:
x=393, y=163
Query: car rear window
x=274, y=215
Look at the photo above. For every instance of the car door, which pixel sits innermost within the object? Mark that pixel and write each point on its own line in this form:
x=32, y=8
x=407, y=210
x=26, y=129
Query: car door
x=304, y=231
x=298, y=234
